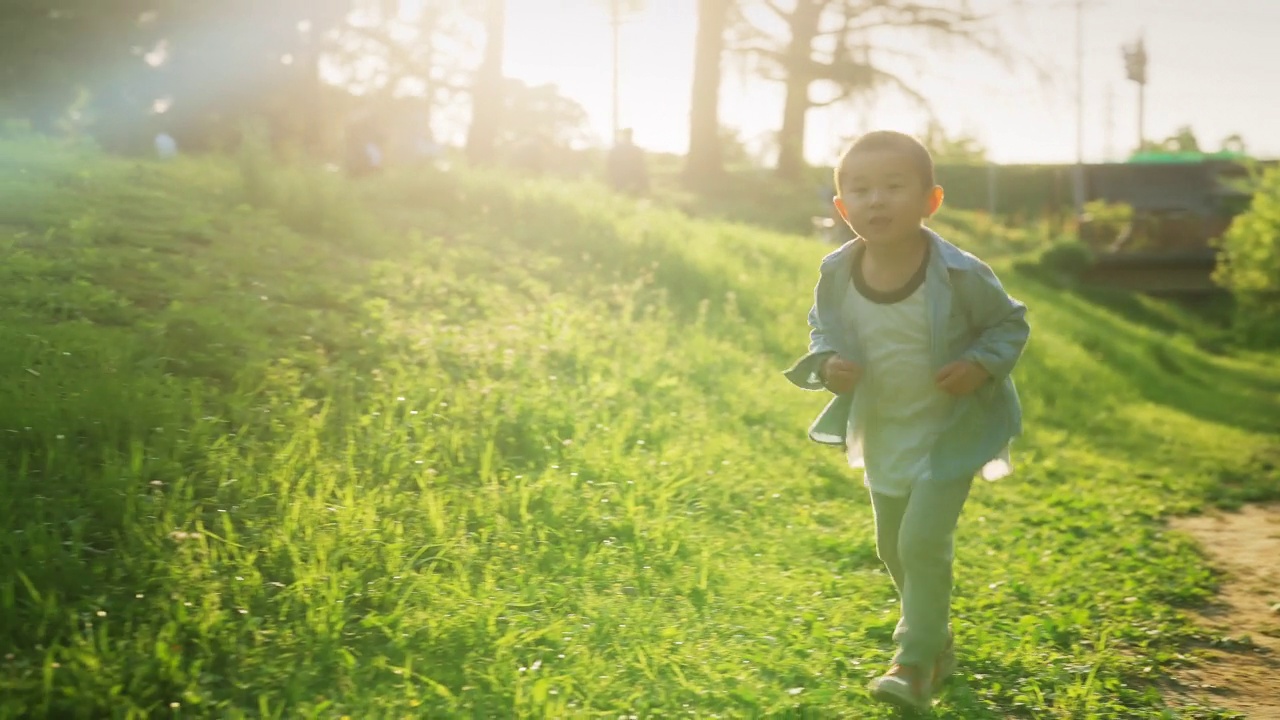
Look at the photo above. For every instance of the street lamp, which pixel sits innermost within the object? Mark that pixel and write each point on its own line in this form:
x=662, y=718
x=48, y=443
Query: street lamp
x=1135, y=65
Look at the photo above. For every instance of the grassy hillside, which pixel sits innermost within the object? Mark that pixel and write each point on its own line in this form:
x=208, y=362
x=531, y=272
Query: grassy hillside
x=273, y=445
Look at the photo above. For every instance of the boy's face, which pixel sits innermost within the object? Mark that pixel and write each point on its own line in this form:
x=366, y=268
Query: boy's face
x=884, y=199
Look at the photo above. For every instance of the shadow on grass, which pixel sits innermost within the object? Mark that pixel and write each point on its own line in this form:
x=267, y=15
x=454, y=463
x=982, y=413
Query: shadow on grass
x=1163, y=370
x=1205, y=317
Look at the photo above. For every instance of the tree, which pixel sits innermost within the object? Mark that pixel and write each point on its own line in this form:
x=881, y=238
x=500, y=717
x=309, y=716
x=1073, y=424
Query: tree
x=1248, y=263
x=396, y=60
x=830, y=43
x=50, y=50
x=957, y=150
x=487, y=91
x=705, y=161
x=1182, y=141
x=1185, y=141
x=541, y=112
x=196, y=68
x=270, y=71
x=1234, y=143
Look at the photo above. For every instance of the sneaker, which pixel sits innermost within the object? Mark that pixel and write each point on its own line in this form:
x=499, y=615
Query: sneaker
x=904, y=686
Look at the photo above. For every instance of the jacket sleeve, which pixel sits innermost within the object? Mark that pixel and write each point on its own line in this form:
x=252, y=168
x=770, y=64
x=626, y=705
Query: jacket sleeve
x=1002, y=323
x=804, y=373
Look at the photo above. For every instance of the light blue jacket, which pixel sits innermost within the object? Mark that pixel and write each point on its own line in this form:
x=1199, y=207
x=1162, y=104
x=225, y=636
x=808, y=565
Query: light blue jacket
x=971, y=317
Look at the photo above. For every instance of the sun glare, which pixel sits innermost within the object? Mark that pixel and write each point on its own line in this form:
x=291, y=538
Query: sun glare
x=570, y=43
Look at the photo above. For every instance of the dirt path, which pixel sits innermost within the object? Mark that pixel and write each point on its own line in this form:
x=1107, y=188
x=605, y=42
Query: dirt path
x=1245, y=676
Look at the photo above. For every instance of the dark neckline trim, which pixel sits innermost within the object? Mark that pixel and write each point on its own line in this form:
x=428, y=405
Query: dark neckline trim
x=892, y=296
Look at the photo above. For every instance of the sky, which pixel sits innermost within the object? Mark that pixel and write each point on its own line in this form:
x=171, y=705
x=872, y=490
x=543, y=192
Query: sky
x=1212, y=66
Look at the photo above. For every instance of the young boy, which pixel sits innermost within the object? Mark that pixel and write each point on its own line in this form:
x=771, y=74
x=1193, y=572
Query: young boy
x=916, y=338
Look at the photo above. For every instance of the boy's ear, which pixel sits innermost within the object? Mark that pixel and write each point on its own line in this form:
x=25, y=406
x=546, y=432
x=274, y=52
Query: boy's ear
x=935, y=199
x=844, y=211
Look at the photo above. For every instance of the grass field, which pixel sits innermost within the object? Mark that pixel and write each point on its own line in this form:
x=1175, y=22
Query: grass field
x=275, y=445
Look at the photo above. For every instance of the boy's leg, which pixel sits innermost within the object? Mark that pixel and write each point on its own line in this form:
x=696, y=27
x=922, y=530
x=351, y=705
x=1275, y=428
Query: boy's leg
x=889, y=511
x=888, y=515
x=925, y=549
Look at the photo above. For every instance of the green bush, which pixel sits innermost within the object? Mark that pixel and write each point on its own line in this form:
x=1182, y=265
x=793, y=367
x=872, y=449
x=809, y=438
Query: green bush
x=1249, y=263
x=1060, y=264
x=308, y=199
x=990, y=236
x=1105, y=223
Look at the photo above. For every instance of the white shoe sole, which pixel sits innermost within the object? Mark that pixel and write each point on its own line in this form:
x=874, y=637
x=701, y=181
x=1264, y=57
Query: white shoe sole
x=895, y=692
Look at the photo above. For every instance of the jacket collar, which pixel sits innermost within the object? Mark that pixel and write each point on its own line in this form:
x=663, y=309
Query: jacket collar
x=949, y=256
x=943, y=258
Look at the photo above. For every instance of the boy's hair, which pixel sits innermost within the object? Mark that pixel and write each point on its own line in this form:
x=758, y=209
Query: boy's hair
x=890, y=140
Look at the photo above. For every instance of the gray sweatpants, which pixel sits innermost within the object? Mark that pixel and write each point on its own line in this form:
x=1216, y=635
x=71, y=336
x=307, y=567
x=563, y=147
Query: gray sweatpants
x=914, y=538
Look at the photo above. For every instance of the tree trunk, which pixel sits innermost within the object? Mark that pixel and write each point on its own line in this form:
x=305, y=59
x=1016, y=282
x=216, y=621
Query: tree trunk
x=705, y=162
x=487, y=93
x=803, y=23
x=795, y=113
x=314, y=124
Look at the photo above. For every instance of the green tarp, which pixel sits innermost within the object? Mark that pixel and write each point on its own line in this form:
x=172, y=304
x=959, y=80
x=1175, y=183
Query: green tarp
x=1149, y=156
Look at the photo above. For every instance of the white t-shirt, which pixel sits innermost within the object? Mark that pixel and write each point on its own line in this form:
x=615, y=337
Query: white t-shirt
x=906, y=410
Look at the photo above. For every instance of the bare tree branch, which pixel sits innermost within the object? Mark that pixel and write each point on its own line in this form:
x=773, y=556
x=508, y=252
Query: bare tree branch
x=843, y=96
x=777, y=9
x=831, y=42
x=756, y=49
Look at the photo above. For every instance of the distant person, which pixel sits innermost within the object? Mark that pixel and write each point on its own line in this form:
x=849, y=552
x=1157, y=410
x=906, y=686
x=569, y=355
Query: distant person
x=627, y=168
x=364, y=153
x=166, y=146
x=428, y=149
x=916, y=339
x=373, y=153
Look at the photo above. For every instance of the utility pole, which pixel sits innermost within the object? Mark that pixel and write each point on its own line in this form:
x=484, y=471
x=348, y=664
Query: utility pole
x=617, y=57
x=1109, y=141
x=1078, y=184
x=1142, y=113
x=1080, y=82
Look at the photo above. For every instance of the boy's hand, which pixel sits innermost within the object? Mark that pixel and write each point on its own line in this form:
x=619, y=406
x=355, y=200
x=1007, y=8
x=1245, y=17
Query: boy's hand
x=840, y=376
x=961, y=377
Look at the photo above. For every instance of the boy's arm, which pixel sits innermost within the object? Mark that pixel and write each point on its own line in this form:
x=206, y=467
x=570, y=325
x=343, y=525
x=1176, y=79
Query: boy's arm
x=1003, y=321
x=817, y=338
x=804, y=373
